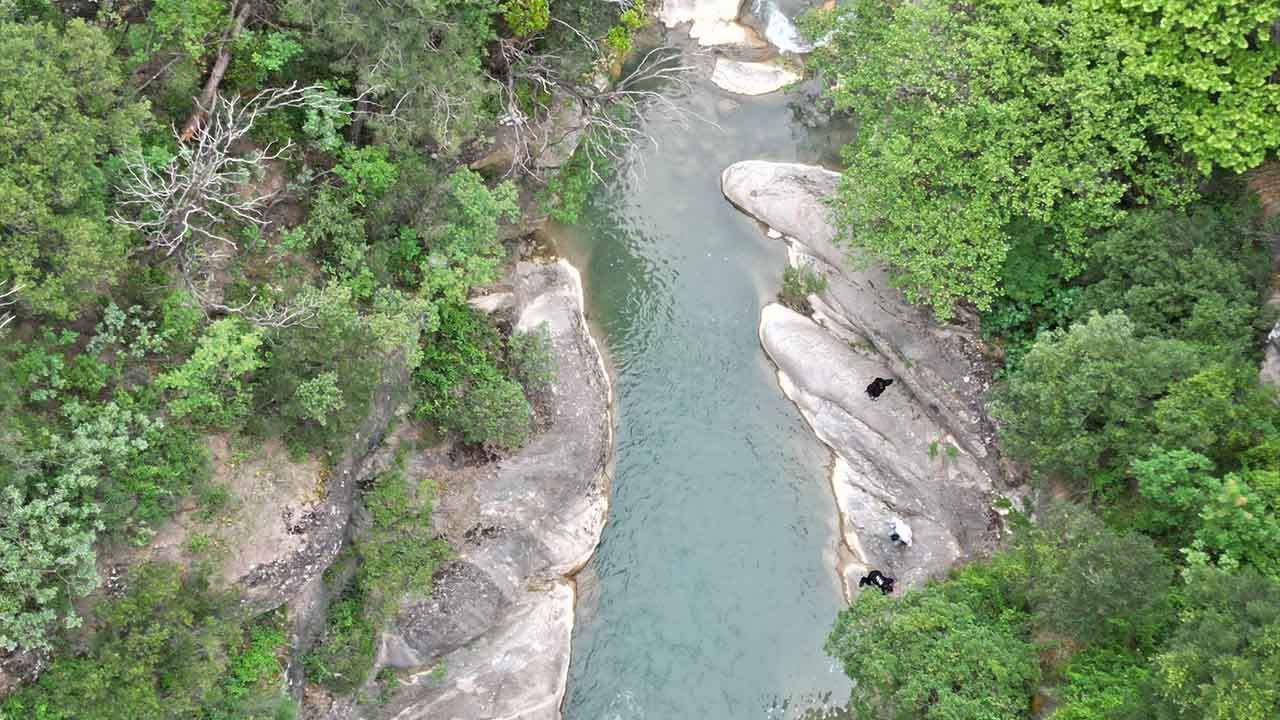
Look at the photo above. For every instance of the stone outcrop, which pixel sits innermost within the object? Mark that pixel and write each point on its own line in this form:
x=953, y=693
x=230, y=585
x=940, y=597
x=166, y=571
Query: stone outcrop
x=925, y=450
x=751, y=78
x=711, y=23
x=500, y=615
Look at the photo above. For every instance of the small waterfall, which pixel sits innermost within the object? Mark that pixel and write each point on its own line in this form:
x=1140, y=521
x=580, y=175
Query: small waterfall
x=778, y=28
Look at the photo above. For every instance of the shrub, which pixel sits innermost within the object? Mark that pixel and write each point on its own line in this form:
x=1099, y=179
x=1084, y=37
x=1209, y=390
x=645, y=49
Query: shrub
x=460, y=388
x=211, y=386
x=165, y=650
x=798, y=283
x=525, y=17
x=531, y=358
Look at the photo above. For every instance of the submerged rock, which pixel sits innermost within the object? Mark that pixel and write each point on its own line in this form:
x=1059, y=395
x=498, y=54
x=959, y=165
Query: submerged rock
x=751, y=78
x=925, y=450
x=500, y=616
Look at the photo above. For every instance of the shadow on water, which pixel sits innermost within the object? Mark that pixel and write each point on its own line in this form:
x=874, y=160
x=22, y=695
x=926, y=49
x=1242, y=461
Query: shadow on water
x=713, y=589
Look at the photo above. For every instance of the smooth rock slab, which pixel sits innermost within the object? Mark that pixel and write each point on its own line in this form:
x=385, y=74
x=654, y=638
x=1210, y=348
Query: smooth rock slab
x=891, y=458
x=751, y=78
x=941, y=365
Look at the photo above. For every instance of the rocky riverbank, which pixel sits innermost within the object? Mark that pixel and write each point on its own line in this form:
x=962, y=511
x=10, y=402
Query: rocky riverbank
x=924, y=450
x=500, y=617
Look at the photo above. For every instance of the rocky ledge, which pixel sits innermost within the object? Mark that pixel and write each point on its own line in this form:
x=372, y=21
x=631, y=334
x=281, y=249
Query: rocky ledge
x=922, y=451
x=500, y=616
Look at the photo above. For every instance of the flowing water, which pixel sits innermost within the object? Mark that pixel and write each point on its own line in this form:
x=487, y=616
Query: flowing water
x=714, y=587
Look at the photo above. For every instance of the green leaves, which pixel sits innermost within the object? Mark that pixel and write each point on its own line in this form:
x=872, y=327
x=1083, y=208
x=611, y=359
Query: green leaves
x=63, y=115
x=1083, y=400
x=211, y=386
x=1218, y=60
x=972, y=121
x=931, y=657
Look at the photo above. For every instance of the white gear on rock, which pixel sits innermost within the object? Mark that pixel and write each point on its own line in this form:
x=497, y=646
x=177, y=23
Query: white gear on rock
x=901, y=530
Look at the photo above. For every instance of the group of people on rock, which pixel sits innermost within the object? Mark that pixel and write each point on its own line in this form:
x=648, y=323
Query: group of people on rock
x=900, y=535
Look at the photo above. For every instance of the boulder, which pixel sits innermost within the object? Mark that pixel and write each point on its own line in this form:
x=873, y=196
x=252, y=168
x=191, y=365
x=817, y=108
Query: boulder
x=751, y=78
x=500, y=616
x=713, y=23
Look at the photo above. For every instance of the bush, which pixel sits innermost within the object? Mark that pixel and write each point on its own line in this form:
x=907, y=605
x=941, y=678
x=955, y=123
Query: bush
x=531, y=358
x=398, y=553
x=1198, y=275
x=525, y=17
x=165, y=650
x=927, y=656
x=460, y=388
x=1082, y=404
x=211, y=386
x=798, y=283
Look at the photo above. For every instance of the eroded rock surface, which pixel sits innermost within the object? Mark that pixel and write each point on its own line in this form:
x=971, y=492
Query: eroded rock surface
x=500, y=616
x=926, y=449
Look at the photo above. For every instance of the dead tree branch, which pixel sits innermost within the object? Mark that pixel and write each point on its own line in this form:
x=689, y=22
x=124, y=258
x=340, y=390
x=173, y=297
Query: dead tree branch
x=184, y=203
x=220, y=63
x=7, y=299
x=609, y=121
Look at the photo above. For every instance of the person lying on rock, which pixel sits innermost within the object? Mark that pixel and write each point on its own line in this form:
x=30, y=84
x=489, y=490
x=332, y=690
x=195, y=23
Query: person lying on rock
x=900, y=531
x=878, y=386
x=877, y=580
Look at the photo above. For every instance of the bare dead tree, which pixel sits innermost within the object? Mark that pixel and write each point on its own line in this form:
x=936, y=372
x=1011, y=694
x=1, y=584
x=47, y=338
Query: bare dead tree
x=299, y=311
x=7, y=299
x=239, y=12
x=608, y=123
x=182, y=206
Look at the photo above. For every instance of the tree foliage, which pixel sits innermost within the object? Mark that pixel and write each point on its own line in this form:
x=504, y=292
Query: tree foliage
x=212, y=386
x=973, y=118
x=422, y=56
x=1223, y=661
x=929, y=656
x=65, y=116
x=1219, y=59
x=1083, y=401
x=1197, y=275
x=163, y=651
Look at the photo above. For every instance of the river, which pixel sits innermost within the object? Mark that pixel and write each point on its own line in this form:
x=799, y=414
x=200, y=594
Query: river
x=714, y=586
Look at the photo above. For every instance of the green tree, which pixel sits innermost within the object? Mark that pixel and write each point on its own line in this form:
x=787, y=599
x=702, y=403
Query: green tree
x=979, y=115
x=461, y=388
x=1220, y=59
x=1102, y=684
x=927, y=656
x=463, y=250
x=526, y=17
x=320, y=396
x=1095, y=586
x=1225, y=519
x=1198, y=275
x=1221, y=411
x=1223, y=661
x=1082, y=403
x=165, y=650
x=211, y=386
x=64, y=117
x=423, y=56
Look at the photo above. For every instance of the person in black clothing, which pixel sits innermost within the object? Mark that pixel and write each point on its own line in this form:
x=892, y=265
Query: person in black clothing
x=878, y=386
x=877, y=580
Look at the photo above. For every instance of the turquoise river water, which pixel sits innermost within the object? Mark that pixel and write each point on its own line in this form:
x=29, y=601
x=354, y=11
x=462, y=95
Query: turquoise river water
x=714, y=587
